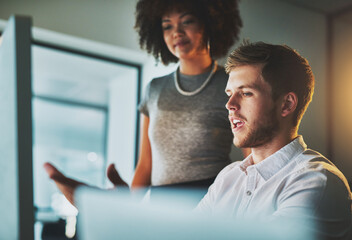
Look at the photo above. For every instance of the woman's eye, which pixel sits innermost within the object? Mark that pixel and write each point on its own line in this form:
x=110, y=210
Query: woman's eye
x=188, y=21
x=166, y=27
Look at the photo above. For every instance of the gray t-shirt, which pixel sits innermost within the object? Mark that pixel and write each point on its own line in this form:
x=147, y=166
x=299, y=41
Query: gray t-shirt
x=190, y=136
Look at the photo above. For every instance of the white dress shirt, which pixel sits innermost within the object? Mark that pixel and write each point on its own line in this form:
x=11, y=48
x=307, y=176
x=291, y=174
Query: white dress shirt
x=294, y=182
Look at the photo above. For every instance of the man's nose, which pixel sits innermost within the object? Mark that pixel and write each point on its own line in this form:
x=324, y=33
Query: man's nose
x=232, y=104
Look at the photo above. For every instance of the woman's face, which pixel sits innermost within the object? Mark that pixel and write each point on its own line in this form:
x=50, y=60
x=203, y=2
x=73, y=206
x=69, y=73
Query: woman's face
x=183, y=35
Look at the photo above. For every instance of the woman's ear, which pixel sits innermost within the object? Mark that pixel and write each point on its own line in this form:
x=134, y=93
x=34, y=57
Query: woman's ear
x=289, y=104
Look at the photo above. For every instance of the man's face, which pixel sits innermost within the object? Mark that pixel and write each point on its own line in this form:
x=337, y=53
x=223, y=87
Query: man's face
x=252, y=112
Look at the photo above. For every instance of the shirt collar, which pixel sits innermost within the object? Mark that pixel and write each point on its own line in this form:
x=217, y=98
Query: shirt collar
x=248, y=161
x=272, y=164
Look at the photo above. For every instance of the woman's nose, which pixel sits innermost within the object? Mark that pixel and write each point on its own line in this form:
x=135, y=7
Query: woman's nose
x=178, y=30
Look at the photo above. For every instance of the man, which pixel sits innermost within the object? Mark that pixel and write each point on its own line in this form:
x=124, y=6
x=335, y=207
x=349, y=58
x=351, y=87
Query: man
x=269, y=89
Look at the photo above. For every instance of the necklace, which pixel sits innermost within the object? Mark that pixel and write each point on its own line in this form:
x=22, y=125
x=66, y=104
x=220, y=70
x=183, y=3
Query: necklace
x=198, y=90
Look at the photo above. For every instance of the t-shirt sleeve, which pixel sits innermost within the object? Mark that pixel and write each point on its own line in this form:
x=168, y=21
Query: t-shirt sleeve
x=143, y=105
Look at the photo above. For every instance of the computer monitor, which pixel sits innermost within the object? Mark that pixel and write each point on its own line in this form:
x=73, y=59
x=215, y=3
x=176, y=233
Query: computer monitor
x=16, y=198
x=118, y=215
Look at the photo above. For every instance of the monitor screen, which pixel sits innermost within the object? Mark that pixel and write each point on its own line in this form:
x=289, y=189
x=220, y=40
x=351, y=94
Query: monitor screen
x=16, y=200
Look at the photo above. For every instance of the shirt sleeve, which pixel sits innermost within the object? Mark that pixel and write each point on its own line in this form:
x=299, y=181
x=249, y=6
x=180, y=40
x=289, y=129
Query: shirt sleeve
x=319, y=198
x=143, y=105
x=204, y=206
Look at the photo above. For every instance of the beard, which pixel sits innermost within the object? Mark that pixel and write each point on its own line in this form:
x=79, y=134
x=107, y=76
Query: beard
x=262, y=132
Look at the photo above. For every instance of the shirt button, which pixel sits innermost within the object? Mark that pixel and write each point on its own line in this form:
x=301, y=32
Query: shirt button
x=249, y=193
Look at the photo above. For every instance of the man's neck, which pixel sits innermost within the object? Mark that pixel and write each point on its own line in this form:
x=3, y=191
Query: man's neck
x=262, y=152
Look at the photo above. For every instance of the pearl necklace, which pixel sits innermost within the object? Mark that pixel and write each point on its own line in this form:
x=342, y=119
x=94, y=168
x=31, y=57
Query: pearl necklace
x=205, y=83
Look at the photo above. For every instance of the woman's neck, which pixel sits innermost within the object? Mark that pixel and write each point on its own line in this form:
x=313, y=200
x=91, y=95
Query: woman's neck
x=195, y=66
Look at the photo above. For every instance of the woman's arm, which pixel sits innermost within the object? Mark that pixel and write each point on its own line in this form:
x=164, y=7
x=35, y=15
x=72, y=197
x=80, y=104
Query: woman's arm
x=142, y=175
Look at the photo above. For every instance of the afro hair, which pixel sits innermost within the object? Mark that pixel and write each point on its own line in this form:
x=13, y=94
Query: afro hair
x=220, y=18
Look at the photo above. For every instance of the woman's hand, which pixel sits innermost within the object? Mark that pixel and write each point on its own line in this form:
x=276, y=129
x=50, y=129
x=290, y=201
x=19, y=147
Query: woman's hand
x=114, y=176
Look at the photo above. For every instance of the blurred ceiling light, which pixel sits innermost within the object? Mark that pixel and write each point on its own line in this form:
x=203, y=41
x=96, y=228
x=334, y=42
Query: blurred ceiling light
x=92, y=156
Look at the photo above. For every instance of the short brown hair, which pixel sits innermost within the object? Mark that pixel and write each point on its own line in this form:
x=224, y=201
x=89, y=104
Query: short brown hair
x=283, y=68
x=220, y=18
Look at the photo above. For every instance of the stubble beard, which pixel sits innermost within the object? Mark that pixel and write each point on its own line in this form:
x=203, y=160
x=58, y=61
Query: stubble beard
x=263, y=132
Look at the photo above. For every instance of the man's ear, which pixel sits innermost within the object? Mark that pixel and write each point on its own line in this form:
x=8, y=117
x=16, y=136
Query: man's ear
x=289, y=104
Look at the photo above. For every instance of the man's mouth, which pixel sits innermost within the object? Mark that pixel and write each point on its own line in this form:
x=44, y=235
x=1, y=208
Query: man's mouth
x=236, y=123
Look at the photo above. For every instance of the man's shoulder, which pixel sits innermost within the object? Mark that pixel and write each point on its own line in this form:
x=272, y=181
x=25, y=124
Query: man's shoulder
x=313, y=161
x=231, y=167
x=314, y=167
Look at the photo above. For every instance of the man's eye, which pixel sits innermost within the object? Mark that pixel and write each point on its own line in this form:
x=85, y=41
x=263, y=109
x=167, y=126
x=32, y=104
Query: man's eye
x=247, y=94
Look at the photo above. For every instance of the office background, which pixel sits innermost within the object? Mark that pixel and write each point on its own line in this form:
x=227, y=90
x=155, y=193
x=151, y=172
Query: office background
x=320, y=30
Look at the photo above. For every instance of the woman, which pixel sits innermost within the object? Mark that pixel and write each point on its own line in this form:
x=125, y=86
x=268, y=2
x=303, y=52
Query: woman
x=186, y=133
x=186, y=136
